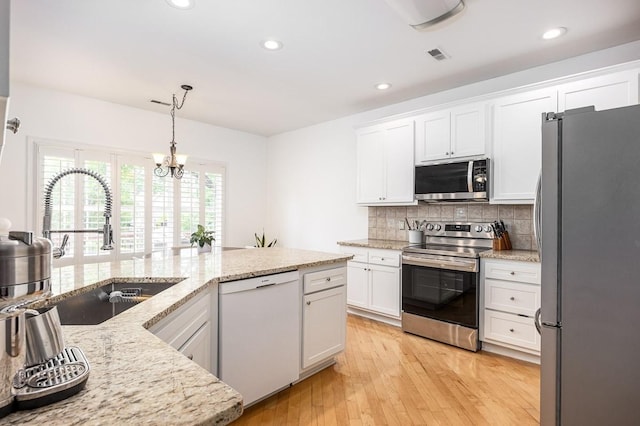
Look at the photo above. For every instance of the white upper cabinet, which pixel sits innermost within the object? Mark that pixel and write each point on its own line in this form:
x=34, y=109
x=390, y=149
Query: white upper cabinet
x=517, y=127
x=517, y=144
x=433, y=136
x=385, y=163
x=452, y=133
x=604, y=92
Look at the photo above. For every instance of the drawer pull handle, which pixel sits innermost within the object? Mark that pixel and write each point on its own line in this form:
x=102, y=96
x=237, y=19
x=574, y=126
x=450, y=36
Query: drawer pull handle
x=512, y=273
x=382, y=259
x=511, y=330
x=328, y=278
x=190, y=357
x=308, y=302
x=512, y=298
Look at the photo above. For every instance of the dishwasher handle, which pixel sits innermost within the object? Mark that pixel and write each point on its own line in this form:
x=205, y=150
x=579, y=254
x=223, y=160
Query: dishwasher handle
x=258, y=283
x=265, y=285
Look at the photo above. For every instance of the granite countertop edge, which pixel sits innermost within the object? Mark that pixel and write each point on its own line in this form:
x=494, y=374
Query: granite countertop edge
x=518, y=255
x=171, y=389
x=375, y=244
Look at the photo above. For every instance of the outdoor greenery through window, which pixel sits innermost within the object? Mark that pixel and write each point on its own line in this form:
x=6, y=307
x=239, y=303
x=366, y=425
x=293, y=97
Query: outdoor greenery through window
x=149, y=213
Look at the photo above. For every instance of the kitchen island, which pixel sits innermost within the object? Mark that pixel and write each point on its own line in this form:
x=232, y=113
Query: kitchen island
x=136, y=377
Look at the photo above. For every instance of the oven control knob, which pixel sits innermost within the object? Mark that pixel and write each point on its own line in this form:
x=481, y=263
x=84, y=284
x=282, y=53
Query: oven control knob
x=438, y=227
x=487, y=228
x=478, y=228
x=429, y=226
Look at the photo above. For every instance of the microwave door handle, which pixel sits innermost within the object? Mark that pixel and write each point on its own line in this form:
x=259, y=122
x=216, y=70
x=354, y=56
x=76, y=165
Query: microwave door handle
x=470, y=176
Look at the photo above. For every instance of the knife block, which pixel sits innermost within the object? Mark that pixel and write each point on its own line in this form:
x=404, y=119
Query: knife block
x=502, y=243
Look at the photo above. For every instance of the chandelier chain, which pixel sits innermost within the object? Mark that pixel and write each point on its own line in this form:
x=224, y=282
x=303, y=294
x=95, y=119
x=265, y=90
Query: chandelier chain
x=173, y=114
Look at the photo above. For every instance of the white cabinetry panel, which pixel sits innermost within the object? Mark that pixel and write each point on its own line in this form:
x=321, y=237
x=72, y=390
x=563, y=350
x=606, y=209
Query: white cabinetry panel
x=511, y=329
x=604, y=92
x=510, y=297
x=452, y=133
x=517, y=144
x=385, y=164
x=384, y=289
x=374, y=285
x=189, y=330
x=324, y=325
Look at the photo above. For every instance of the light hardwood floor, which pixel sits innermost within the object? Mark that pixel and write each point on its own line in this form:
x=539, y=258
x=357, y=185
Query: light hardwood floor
x=387, y=377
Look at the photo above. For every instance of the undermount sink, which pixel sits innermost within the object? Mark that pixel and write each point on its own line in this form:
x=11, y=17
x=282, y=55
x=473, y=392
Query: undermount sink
x=103, y=303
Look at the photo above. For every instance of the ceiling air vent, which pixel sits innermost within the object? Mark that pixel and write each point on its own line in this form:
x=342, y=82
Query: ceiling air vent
x=437, y=54
x=155, y=101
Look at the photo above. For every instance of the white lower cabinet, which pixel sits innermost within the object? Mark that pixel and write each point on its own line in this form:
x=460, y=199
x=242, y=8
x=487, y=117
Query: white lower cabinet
x=324, y=314
x=511, y=296
x=192, y=330
x=374, y=280
x=198, y=347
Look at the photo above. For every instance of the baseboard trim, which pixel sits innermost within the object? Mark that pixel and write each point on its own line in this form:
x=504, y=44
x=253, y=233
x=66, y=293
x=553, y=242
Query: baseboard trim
x=373, y=316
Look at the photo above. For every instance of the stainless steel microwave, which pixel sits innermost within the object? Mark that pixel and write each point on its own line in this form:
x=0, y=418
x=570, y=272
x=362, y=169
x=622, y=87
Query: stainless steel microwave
x=455, y=181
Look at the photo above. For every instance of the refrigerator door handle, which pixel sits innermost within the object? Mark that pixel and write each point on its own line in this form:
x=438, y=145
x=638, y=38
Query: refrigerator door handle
x=537, y=215
x=536, y=321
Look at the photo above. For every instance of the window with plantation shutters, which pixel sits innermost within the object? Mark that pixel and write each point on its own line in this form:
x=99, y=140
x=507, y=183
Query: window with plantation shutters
x=201, y=201
x=131, y=196
x=162, y=213
x=149, y=213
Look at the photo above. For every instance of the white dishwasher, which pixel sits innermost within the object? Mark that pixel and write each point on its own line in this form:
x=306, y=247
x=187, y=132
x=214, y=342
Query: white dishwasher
x=259, y=334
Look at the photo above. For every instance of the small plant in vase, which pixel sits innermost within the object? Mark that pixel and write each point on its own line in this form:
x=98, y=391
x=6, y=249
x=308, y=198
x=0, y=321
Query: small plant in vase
x=203, y=238
x=261, y=242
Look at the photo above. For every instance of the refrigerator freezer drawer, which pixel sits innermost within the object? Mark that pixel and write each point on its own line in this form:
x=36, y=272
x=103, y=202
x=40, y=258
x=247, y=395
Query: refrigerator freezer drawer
x=511, y=329
x=512, y=297
x=526, y=272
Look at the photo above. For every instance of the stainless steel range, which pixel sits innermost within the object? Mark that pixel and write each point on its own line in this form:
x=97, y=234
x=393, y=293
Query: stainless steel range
x=440, y=280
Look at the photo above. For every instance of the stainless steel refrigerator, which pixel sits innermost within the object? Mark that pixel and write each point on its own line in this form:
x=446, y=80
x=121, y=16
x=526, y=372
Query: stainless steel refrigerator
x=588, y=221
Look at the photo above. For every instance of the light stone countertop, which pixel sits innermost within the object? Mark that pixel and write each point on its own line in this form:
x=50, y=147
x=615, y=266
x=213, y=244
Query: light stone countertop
x=519, y=255
x=136, y=378
x=376, y=244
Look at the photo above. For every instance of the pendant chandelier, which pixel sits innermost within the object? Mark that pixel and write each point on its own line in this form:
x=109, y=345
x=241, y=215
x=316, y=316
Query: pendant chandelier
x=172, y=163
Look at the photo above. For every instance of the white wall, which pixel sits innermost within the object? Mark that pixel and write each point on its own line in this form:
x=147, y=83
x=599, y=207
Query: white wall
x=312, y=175
x=52, y=115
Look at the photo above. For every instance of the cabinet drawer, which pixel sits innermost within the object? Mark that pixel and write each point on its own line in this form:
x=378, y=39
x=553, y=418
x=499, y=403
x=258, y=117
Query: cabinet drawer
x=320, y=280
x=359, y=254
x=512, y=297
x=526, y=272
x=384, y=257
x=511, y=329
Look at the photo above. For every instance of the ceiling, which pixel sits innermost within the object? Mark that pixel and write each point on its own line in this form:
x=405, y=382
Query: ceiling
x=335, y=51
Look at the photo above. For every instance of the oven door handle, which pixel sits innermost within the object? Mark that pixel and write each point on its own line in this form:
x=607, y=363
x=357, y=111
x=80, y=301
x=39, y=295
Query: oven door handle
x=450, y=264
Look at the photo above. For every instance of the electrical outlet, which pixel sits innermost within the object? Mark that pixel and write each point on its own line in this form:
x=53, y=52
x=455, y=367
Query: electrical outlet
x=401, y=225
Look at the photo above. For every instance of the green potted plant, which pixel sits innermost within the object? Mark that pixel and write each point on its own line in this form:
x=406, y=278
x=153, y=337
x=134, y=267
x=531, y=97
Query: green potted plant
x=203, y=238
x=261, y=242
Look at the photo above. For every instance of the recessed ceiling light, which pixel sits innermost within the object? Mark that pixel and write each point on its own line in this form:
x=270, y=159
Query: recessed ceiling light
x=272, y=44
x=383, y=86
x=182, y=4
x=554, y=33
